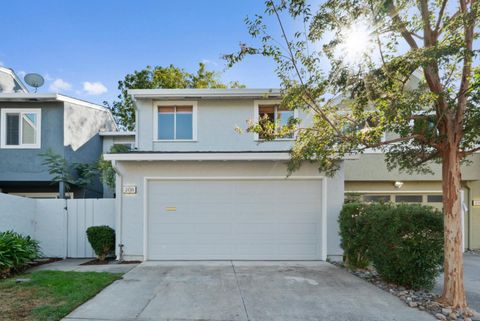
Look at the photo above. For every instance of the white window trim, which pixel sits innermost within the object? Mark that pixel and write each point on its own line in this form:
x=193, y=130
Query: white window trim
x=38, y=131
x=157, y=104
x=256, y=104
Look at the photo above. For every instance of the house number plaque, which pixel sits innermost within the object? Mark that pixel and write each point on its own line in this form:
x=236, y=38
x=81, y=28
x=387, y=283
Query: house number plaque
x=130, y=190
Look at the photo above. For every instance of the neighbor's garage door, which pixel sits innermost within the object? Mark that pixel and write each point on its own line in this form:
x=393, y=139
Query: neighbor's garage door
x=272, y=219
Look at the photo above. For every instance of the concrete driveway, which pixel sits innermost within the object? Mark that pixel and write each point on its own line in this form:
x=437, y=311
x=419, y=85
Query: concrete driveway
x=255, y=291
x=472, y=280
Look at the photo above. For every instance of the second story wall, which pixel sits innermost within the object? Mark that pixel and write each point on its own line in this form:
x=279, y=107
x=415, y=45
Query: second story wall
x=20, y=164
x=214, y=125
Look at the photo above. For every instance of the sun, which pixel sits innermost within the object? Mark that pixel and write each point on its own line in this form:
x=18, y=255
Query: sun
x=356, y=41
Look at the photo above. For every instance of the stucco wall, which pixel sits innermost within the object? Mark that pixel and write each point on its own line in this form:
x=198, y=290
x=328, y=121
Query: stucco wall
x=69, y=130
x=133, y=173
x=372, y=167
x=216, y=123
x=26, y=164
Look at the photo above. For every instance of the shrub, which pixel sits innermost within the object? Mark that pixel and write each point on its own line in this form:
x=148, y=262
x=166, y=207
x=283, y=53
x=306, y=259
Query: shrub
x=406, y=244
x=102, y=240
x=403, y=242
x=16, y=251
x=354, y=240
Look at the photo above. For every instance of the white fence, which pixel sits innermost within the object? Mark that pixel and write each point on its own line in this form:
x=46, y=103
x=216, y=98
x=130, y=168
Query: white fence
x=59, y=225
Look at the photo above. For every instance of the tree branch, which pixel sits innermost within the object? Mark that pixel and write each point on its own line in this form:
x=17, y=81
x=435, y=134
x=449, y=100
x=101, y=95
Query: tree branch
x=469, y=152
x=440, y=16
x=312, y=102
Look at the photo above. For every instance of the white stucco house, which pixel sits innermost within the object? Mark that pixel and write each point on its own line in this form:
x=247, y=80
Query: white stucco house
x=193, y=188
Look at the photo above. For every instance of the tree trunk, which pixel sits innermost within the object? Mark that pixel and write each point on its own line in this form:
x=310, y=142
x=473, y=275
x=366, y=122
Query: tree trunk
x=453, y=288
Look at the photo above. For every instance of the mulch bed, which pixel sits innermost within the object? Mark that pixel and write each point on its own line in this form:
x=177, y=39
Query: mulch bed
x=108, y=261
x=421, y=300
x=8, y=273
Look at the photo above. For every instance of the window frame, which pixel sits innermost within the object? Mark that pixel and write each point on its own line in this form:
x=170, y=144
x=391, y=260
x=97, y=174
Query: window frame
x=256, y=110
x=157, y=104
x=21, y=111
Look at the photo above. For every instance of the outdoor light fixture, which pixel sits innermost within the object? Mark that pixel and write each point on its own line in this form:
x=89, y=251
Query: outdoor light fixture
x=398, y=184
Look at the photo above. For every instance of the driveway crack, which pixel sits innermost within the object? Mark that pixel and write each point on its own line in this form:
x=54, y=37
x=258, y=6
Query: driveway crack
x=240, y=291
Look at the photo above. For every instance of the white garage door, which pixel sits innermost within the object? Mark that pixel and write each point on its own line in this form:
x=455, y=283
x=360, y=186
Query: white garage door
x=222, y=219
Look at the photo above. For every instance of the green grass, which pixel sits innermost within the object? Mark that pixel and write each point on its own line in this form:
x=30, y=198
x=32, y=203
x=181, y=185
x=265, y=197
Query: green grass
x=50, y=295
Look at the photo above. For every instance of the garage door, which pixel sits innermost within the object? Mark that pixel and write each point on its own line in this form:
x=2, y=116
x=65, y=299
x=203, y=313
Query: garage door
x=222, y=219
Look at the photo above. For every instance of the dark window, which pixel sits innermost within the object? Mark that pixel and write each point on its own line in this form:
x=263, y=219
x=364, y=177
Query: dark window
x=408, y=198
x=376, y=198
x=276, y=114
x=434, y=198
x=13, y=129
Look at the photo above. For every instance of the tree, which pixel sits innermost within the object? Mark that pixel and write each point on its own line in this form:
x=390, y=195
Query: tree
x=59, y=169
x=160, y=77
x=87, y=173
x=364, y=68
x=107, y=172
x=63, y=173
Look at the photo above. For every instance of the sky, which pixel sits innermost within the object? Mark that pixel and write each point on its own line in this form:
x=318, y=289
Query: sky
x=83, y=48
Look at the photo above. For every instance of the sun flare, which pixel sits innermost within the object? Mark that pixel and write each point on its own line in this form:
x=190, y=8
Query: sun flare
x=356, y=42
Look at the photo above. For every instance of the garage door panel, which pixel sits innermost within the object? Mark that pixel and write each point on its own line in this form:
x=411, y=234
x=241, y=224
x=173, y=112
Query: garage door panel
x=234, y=219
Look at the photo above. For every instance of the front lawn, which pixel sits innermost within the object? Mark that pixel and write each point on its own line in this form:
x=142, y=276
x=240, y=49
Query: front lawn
x=50, y=295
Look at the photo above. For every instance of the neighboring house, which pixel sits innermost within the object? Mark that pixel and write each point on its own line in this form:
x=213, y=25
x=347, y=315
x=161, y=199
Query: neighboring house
x=369, y=178
x=10, y=83
x=110, y=139
x=194, y=188
x=31, y=124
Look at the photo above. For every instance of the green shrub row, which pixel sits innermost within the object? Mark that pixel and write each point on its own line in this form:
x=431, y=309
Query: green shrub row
x=403, y=242
x=16, y=251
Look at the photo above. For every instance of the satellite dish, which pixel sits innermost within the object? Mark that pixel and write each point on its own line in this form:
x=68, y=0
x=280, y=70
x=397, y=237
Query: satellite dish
x=34, y=80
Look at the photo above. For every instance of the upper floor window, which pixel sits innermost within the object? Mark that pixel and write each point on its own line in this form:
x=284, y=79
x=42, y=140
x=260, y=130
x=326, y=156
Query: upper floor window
x=20, y=128
x=175, y=122
x=275, y=114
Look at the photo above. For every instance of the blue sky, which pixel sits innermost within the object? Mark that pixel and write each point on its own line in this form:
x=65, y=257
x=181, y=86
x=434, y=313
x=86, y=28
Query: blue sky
x=83, y=48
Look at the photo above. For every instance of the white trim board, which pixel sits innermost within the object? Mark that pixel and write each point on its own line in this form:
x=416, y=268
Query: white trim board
x=196, y=156
x=323, y=215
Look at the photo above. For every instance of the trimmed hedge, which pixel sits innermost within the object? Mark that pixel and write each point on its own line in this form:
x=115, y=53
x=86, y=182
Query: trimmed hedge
x=403, y=242
x=102, y=240
x=16, y=251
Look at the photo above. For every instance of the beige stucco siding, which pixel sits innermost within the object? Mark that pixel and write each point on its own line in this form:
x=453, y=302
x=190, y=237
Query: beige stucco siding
x=372, y=167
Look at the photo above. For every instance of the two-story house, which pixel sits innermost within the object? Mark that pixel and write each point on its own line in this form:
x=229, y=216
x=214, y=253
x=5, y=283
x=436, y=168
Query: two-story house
x=33, y=123
x=194, y=188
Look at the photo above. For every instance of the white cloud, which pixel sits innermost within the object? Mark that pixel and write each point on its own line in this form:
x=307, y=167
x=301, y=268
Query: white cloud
x=21, y=73
x=209, y=62
x=1, y=63
x=60, y=85
x=94, y=88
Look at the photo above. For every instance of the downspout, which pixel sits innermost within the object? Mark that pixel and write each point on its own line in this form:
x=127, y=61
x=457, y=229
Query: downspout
x=469, y=193
x=118, y=211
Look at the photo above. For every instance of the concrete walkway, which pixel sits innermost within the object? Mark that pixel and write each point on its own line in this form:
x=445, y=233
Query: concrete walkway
x=74, y=265
x=241, y=291
x=472, y=280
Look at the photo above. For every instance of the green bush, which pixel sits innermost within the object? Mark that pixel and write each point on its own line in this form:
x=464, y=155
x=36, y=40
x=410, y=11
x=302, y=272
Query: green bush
x=406, y=244
x=102, y=240
x=16, y=251
x=353, y=240
x=403, y=242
